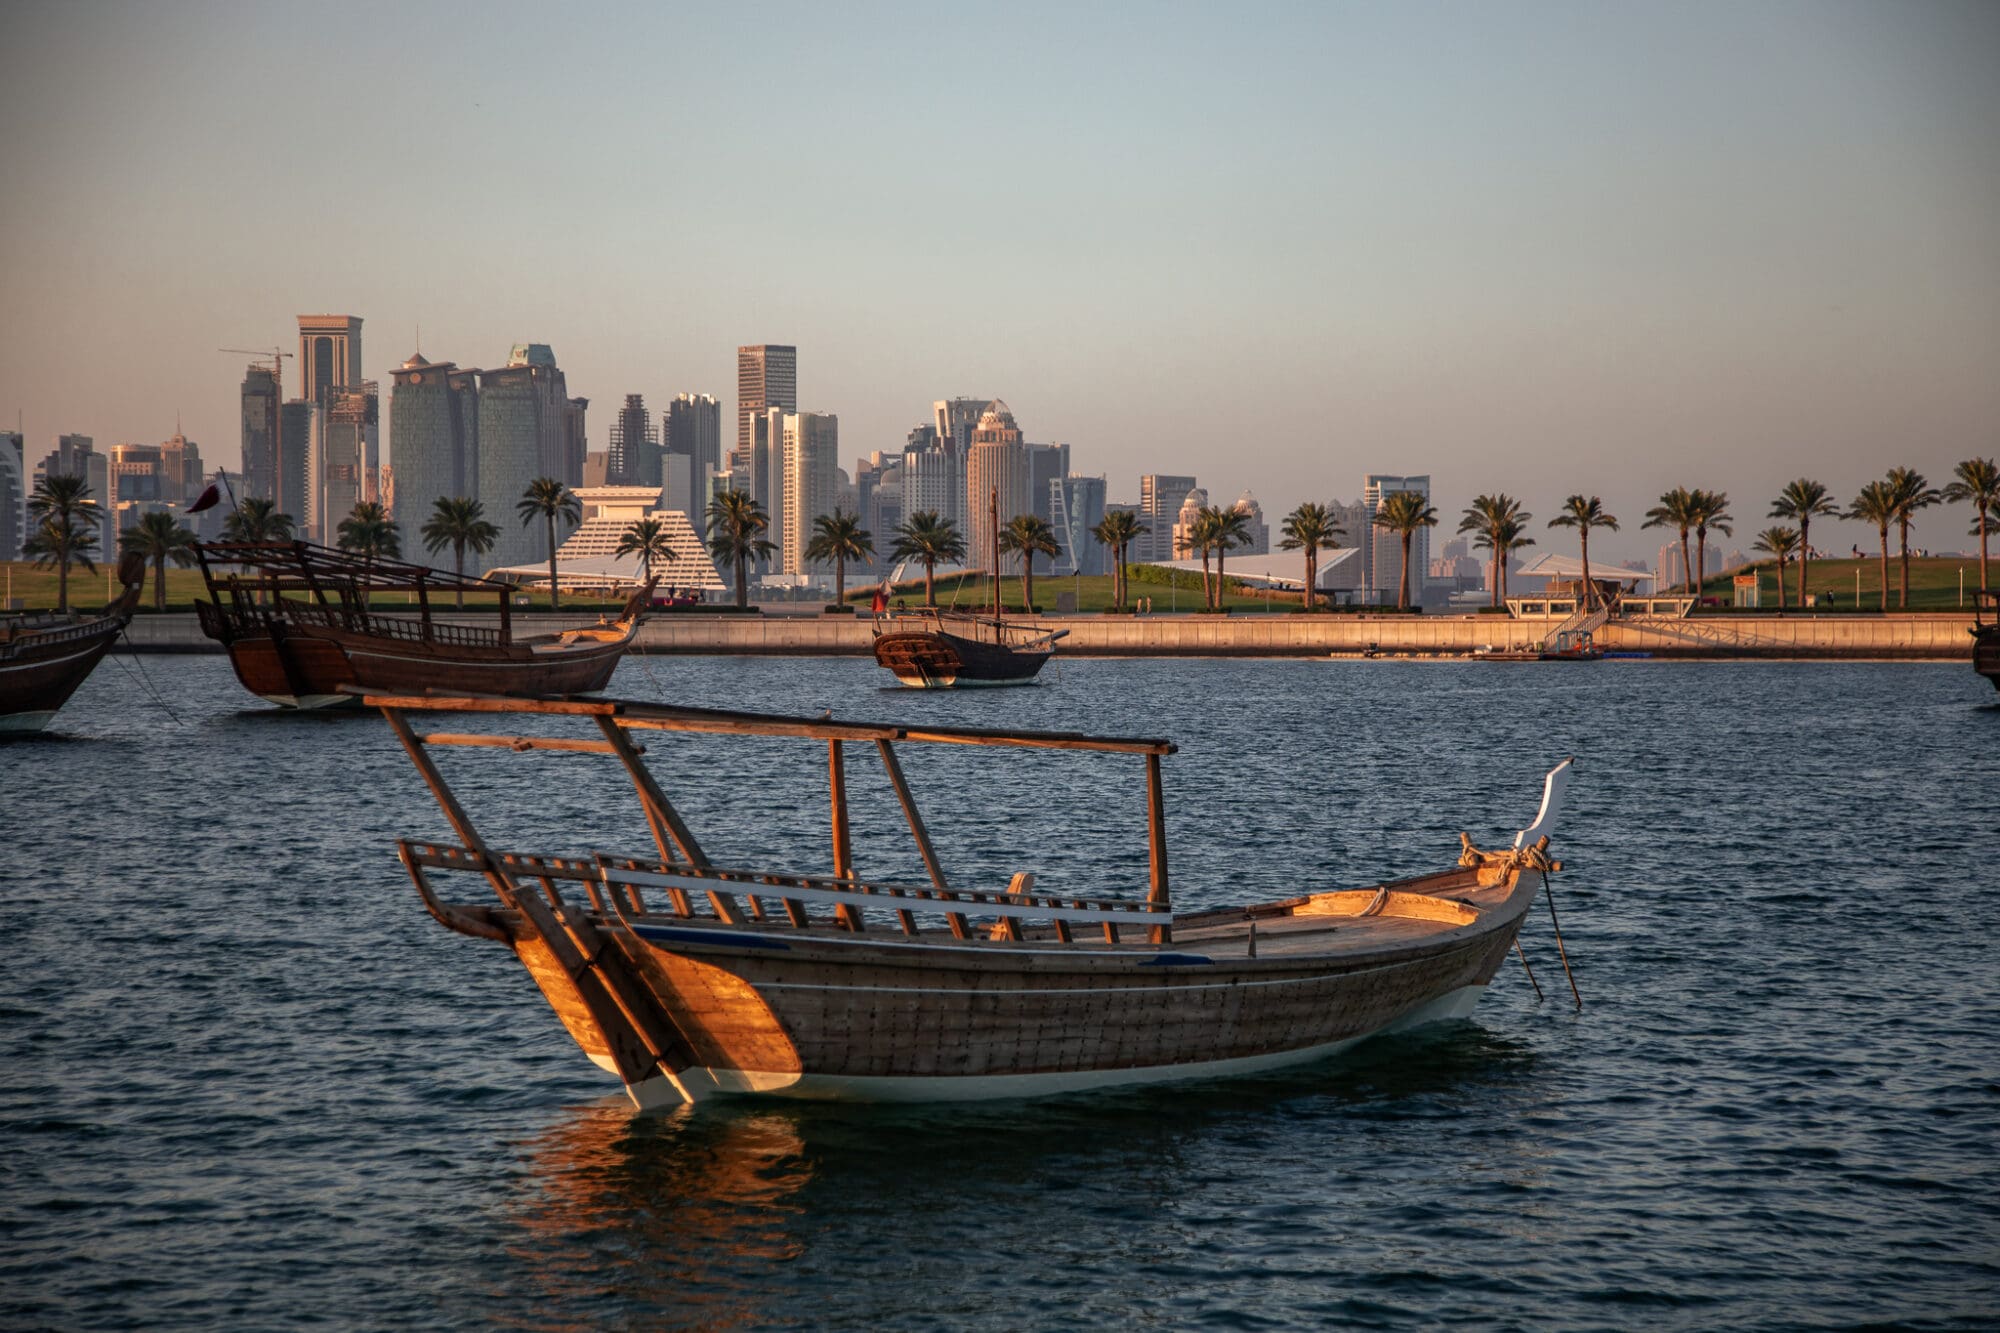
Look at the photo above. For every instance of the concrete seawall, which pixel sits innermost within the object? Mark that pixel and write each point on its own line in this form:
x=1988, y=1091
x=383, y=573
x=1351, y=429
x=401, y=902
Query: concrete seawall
x=1915, y=636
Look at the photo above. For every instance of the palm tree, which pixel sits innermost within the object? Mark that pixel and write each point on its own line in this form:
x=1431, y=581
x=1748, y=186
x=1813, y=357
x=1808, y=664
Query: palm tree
x=460, y=524
x=1494, y=521
x=1584, y=513
x=1232, y=529
x=1403, y=512
x=736, y=528
x=839, y=538
x=646, y=538
x=1801, y=501
x=1026, y=535
x=548, y=499
x=1310, y=528
x=1877, y=504
x=1913, y=492
x=1677, y=509
x=159, y=538
x=258, y=521
x=67, y=526
x=1711, y=511
x=1978, y=482
x=928, y=538
x=1779, y=542
x=1118, y=530
x=1201, y=537
x=368, y=532
x=59, y=541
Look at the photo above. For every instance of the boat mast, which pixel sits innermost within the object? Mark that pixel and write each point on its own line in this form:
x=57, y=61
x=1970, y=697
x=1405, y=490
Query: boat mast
x=993, y=522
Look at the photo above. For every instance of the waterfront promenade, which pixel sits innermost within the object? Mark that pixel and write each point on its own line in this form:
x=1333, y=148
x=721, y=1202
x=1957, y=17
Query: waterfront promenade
x=1916, y=635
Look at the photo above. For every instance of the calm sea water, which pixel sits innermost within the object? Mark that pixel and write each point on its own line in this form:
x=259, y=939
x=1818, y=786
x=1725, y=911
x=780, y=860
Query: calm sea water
x=245, y=1081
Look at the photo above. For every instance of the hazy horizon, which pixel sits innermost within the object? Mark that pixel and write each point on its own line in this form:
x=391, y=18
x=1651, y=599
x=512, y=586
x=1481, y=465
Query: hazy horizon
x=1538, y=248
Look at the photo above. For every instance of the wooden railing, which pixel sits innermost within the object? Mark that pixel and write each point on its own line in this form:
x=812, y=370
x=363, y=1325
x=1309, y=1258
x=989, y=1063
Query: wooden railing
x=734, y=898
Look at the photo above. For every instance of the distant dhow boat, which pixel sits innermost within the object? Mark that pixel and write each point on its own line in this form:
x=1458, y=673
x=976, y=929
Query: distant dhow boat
x=300, y=629
x=691, y=981
x=45, y=656
x=1986, y=636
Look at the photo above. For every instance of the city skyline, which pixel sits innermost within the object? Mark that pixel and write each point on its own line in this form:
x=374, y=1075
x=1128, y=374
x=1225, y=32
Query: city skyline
x=1662, y=247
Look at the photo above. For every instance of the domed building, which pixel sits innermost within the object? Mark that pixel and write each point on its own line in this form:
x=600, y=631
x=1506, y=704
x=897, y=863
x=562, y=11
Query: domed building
x=1260, y=531
x=1184, y=521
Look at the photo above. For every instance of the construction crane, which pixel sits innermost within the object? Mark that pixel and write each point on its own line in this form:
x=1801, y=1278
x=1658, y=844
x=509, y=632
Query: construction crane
x=277, y=357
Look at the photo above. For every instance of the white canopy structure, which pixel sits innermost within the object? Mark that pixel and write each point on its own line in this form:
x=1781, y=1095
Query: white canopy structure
x=1565, y=567
x=1339, y=571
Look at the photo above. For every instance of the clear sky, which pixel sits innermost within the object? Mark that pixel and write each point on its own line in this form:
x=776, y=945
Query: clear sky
x=1538, y=247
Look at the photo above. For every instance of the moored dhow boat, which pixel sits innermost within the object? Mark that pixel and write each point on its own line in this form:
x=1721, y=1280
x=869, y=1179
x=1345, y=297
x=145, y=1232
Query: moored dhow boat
x=1986, y=636
x=45, y=656
x=689, y=980
x=945, y=650
x=300, y=628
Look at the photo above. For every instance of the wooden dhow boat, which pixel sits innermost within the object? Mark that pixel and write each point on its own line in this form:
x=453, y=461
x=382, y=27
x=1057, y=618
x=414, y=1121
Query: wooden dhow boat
x=689, y=980
x=301, y=623
x=1986, y=636
x=948, y=650
x=45, y=656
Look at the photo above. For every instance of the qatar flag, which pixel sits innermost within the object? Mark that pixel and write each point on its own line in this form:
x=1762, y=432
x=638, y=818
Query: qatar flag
x=208, y=499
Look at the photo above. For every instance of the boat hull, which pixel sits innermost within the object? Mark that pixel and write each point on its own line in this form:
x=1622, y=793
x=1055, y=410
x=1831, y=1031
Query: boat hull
x=859, y=1019
x=38, y=676
x=940, y=660
x=1986, y=656
x=308, y=668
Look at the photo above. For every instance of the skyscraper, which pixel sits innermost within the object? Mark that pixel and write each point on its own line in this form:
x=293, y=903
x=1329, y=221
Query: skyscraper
x=262, y=396
x=1046, y=463
x=298, y=428
x=1386, y=556
x=996, y=467
x=1160, y=496
x=77, y=456
x=767, y=376
x=692, y=425
x=329, y=354
x=635, y=447
x=345, y=455
x=1076, y=504
x=576, y=441
x=957, y=418
x=811, y=476
x=523, y=434
x=433, y=442
x=13, y=494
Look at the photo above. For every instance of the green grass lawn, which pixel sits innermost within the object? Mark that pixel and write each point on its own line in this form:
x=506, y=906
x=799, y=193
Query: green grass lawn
x=1934, y=583
x=975, y=592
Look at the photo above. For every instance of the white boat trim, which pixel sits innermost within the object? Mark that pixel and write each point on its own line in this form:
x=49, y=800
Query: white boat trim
x=25, y=723
x=42, y=662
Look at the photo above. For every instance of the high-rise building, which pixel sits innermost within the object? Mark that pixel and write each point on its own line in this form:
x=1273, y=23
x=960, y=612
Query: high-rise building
x=576, y=441
x=1160, y=496
x=931, y=480
x=524, y=414
x=767, y=376
x=1046, y=463
x=433, y=443
x=13, y=494
x=1386, y=563
x=996, y=470
x=137, y=473
x=1258, y=532
x=766, y=461
x=811, y=482
x=77, y=456
x=1185, y=519
x=345, y=454
x=298, y=427
x=329, y=354
x=635, y=445
x=956, y=419
x=262, y=397
x=692, y=425
x=1076, y=504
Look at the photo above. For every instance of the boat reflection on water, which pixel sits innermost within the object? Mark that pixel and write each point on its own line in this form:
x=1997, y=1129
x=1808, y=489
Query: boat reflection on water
x=681, y=1211
x=740, y=1213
